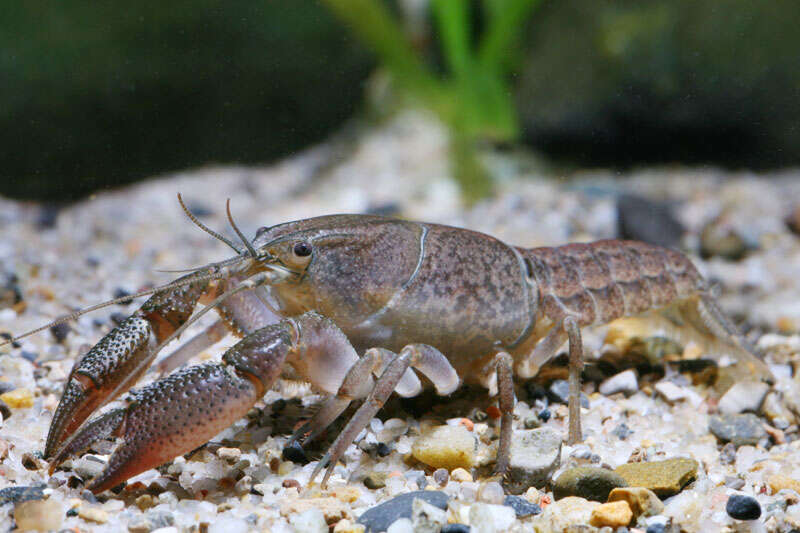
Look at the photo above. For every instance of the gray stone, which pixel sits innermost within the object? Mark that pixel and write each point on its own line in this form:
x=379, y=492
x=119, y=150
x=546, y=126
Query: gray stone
x=380, y=517
x=587, y=482
x=669, y=391
x=743, y=396
x=625, y=382
x=89, y=466
x=21, y=494
x=535, y=455
x=739, y=429
x=521, y=506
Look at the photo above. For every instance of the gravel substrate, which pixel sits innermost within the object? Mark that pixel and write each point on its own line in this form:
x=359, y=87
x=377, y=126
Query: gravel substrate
x=712, y=458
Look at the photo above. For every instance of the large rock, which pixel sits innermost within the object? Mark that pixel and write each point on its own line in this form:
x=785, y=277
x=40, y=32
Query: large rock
x=664, y=478
x=535, y=455
x=589, y=482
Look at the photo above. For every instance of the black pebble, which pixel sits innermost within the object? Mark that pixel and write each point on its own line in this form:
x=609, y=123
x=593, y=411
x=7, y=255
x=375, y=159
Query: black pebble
x=5, y=410
x=656, y=528
x=642, y=219
x=544, y=415
x=48, y=215
x=383, y=449
x=119, y=292
x=380, y=517
x=535, y=391
x=294, y=453
x=455, y=528
x=522, y=506
x=7, y=337
x=73, y=512
x=60, y=331
x=743, y=507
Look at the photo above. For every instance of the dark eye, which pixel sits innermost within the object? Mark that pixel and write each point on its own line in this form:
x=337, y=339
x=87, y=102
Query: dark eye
x=302, y=249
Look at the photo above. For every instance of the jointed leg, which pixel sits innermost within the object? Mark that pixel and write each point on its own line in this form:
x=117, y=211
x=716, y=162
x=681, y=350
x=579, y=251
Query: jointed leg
x=426, y=359
x=575, y=368
x=505, y=388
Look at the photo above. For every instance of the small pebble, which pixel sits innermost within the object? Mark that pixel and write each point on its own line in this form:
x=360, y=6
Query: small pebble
x=93, y=514
x=21, y=398
x=670, y=392
x=559, y=392
x=290, y=484
x=145, y=502
x=522, y=507
x=491, y=492
x=665, y=478
x=535, y=455
x=441, y=476
x=229, y=454
x=624, y=382
x=588, y=482
x=38, y=515
x=488, y=518
x=310, y=521
x=60, y=331
x=383, y=449
x=5, y=411
x=460, y=475
x=622, y=431
x=743, y=507
x=295, y=454
x=20, y=494
x=446, y=447
x=641, y=501
x=743, y=396
x=544, y=415
x=738, y=429
x=375, y=480
x=615, y=514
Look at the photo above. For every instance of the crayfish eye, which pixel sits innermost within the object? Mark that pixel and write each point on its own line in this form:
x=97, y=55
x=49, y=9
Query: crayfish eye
x=302, y=249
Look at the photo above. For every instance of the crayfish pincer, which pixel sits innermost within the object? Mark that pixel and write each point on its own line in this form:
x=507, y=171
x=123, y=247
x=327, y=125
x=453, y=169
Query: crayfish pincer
x=357, y=305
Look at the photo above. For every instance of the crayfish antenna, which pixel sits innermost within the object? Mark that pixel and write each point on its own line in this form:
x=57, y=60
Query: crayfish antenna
x=205, y=228
x=115, y=301
x=247, y=243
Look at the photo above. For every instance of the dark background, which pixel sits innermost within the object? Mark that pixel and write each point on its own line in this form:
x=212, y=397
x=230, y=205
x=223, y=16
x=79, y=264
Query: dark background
x=98, y=94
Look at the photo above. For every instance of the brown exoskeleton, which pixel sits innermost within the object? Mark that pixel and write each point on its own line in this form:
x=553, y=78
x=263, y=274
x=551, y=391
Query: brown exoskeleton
x=336, y=300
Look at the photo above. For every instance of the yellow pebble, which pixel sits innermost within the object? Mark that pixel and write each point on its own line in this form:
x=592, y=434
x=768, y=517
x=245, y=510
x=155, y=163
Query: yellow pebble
x=18, y=398
x=778, y=482
x=93, y=514
x=459, y=474
x=346, y=526
x=614, y=514
x=346, y=494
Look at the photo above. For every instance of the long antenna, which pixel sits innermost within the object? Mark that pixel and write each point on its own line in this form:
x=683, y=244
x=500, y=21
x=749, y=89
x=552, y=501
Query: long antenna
x=239, y=232
x=205, y=228
x=123, y=299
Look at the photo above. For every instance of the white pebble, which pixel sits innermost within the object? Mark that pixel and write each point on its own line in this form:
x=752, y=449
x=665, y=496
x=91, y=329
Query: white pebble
x=488, y=518
x=401, y=525
x=311, y=521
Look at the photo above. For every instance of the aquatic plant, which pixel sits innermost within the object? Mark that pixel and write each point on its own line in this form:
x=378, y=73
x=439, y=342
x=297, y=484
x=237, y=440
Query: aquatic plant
x=472, y=93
